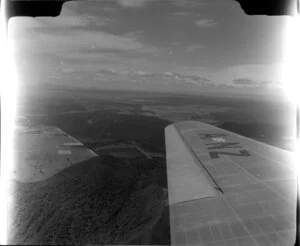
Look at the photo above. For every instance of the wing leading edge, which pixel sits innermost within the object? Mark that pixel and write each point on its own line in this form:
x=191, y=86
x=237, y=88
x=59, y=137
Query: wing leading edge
x=225, y=189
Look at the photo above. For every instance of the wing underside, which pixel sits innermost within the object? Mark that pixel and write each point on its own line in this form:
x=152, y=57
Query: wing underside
x=225, y=189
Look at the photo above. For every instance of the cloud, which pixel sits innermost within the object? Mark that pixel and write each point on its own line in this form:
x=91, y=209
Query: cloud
x=265, y=83
x=208, y=23
x=133, y=3
x=76, y=40
x=255, y=72
x=134, y=34
x=77, y=21
x=70, y=17
x=44, y=42
x=180, y=14
x=193, y=70
x=68, y=31
x=100, y=21
x=178, y=78
x=195, y=79
x=51, y=77
x=250, y=82
x=170, y=78
x=109, y=9
x=99, y=55
x=191, y=48
x=243, y=81
x=71, y=34
x=67, y=70
x=189, y=3
x=107, y=71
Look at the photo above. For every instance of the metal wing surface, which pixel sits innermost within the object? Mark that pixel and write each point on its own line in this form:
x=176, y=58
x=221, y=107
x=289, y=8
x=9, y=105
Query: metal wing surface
x=43, y=151
x=225, y=189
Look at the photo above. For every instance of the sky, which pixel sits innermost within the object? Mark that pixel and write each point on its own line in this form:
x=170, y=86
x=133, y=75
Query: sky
x=164, y=45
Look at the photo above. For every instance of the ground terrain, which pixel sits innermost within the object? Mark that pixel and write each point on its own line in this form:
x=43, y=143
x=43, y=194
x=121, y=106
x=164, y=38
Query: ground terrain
x=120, y=195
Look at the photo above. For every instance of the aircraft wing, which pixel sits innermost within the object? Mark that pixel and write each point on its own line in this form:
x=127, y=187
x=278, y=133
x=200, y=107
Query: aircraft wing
x=225, y=189
x=42, y=151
